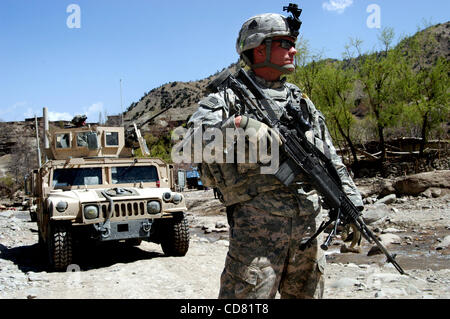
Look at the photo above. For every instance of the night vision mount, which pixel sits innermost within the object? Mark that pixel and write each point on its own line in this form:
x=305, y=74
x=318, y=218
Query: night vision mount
x=294, y=21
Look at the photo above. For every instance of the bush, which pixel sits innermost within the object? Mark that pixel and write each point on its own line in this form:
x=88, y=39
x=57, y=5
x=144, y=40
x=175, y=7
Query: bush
x=159, y=146
x=7, y=186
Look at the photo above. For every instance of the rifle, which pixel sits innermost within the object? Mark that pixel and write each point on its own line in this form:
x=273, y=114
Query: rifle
x=302, y=157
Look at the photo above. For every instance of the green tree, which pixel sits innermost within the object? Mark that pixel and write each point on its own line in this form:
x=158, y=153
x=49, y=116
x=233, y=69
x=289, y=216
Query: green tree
x=7, y=186
x=159, y=146
x=427, y=92
x=308, y=68
x=378, y=73
x=425, y=86
x=334, y=98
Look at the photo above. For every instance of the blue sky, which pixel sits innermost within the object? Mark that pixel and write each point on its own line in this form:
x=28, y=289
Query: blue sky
x=147, y=43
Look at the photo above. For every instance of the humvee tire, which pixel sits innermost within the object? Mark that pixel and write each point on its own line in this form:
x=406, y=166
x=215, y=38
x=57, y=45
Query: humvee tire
x=59, y=244
x=175, y=241
x=33, y=216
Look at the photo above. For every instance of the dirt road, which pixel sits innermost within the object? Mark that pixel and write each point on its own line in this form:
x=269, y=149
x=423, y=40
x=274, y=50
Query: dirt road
x=418, y=228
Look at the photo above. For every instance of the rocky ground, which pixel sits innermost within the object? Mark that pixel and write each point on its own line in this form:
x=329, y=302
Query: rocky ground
x=416, y=228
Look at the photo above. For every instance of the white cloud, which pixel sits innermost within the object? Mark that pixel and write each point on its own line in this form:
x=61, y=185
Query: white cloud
x=29, y=113
x=52, y=116
x=337, y=5
x=57, y=116
x=93, y=110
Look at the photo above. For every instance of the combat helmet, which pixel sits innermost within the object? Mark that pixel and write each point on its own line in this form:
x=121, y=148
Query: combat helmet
x=262, y=28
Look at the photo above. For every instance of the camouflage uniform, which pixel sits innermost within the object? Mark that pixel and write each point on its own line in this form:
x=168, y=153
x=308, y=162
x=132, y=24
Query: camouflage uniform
x=267, y=219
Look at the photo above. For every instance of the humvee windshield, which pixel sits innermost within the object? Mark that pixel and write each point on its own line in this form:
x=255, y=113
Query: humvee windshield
x=133, y=174
x=77, y=176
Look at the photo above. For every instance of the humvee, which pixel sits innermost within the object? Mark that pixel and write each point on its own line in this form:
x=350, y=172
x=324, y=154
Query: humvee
x=93, y=189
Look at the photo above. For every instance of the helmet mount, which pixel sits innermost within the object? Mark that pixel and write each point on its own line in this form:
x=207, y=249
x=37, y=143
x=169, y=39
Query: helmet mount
x=294, y=21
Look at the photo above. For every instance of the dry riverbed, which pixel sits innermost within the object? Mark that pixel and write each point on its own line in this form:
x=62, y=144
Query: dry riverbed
x=415, y=228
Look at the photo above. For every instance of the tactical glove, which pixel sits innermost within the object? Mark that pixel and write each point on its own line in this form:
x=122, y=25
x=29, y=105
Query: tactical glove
x=260, y=131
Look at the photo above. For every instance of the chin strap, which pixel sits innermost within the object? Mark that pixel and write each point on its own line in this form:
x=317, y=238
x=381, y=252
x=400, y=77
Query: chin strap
x=285, y=69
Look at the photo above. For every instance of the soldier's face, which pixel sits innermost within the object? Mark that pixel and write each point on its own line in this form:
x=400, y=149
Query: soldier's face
x=281, y=54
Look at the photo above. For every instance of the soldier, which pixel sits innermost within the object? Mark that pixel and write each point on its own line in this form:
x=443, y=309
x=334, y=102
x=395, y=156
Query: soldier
x=268, y=220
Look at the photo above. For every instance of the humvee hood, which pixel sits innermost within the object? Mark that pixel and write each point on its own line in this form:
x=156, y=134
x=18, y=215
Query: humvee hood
x=94, y=195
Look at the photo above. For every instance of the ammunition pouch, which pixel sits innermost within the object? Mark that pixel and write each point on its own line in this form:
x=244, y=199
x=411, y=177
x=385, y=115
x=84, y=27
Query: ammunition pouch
x=238, y=182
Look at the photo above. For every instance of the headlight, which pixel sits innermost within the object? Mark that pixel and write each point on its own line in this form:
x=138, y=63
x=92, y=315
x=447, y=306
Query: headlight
x=167, y=196
x=153, y=207
x=177, y=198
x=91, y=212
x=61, y=206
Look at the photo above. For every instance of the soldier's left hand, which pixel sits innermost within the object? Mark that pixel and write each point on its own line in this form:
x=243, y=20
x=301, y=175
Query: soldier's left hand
x=351, y=233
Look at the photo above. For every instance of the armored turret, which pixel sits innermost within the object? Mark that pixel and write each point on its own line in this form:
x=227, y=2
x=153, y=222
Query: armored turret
x=80, y=140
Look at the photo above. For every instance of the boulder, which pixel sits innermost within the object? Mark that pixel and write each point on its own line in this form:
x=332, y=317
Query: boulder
x=344, y=283
x=221, y=224
x=373, y=213
x=418, y=183
x=389, y=199
x=386, y=240
x=445, y=243
x=386, y=188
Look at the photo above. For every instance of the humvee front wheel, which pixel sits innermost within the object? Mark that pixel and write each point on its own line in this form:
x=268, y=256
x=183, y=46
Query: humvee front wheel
x=59, y=244
x=33, y=216
x=175, y=241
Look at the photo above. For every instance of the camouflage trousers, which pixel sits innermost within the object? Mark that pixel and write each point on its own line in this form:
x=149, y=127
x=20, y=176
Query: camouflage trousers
x=264, y=256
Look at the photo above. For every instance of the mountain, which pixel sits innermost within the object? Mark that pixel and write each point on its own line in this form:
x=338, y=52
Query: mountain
x=180, y=98
x=439, y=46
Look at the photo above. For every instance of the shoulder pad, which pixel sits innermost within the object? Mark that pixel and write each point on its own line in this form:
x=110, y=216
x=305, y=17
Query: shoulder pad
x=292, y=86
x=296, y=92
x=211, y=102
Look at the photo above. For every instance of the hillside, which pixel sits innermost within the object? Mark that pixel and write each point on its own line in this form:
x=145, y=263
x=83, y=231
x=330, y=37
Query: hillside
x=177, y=95
x=438, y=48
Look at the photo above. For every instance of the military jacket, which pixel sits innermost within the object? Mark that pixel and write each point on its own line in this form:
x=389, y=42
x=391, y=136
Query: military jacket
x=242, y=182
